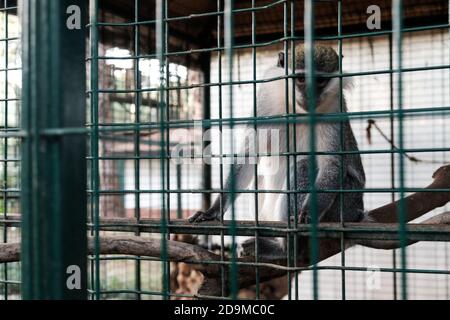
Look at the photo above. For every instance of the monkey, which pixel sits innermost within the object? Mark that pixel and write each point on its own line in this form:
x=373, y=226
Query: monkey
x=279, y=206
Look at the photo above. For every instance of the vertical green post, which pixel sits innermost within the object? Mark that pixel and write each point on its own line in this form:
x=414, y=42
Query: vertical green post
x=255, y=141
x=311, y=103
x=5, y=148
x=54, y=165
x=229, y=42
x=137, y=137
x=341, y=147
x=220, y=7
x=94, y=147
x=287, y=144
x=162, y=108
x=397, y=30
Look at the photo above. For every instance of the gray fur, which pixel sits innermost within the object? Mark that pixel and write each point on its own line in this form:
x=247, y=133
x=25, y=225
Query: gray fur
x=328, y=178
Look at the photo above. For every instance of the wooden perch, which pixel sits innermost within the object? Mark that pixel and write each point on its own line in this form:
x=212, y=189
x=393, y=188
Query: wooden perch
x=419, y=203
x=416, y=205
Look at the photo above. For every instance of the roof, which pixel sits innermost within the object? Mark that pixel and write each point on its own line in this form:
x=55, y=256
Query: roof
x=199, y=28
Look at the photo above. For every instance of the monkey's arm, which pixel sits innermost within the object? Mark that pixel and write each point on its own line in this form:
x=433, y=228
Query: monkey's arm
x=242, y=175
x=328, y=174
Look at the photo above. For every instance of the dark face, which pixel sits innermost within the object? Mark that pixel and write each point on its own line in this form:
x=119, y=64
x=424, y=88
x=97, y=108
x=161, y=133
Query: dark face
x=300, y=82
x=321, y=81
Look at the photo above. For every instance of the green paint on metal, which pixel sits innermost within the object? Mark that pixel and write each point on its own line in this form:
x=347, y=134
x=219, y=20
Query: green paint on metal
x=311, y=105
x=94, y=147
x=53, y=170
x=397, y=13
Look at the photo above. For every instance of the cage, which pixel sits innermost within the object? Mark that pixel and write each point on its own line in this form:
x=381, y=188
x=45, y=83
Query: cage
x=114, y=133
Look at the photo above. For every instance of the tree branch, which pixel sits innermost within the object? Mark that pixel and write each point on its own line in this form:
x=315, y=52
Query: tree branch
x=440, y=219
x=418, y=203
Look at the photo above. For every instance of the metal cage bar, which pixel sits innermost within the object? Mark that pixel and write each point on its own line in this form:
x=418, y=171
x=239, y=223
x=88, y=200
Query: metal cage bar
x=53, y=167
x=397, y=13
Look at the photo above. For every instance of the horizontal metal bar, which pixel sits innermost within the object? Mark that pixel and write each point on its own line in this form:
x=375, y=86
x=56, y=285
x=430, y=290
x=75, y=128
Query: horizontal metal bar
x=13, y=282
x=282, y=118
x=282, y=154
x=10, y=190
x=348, y=268
x=268, y=43
x=63, y=131
x=9, y=99
x=13, y=134
x=10, y=69
x=271, y=79
x=10, y=160
x=383, y=32
x=258, y=191
x=351, y=231
x=9, y=39
x=274, y=266
x=123, y=257
x=153, y=293
x=8, y=8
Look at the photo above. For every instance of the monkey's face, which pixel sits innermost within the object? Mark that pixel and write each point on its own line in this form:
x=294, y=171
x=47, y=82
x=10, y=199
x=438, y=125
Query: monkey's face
x=326, y=62
x=321, y=82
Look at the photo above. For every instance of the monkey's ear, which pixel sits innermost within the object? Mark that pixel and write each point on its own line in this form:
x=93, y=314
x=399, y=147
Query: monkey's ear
x=280, y=60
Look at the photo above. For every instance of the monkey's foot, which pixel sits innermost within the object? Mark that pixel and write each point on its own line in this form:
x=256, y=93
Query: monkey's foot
x=302, y=218
x=266, y=247
x=201, y=216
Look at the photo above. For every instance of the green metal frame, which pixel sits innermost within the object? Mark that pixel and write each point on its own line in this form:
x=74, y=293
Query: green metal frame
x=53, y=163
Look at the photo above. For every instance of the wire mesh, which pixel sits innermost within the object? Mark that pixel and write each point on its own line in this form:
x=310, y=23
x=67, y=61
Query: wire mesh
x=165, y=74
x=10, y=74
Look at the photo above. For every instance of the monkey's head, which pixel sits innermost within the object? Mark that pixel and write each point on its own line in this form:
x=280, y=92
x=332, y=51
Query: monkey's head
x=326, y=62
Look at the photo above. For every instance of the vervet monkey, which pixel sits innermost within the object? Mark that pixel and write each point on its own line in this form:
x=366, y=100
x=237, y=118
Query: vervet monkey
x=271, y=102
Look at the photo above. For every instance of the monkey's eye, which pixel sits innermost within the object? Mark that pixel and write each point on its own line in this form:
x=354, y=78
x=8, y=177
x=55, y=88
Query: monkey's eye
x=300, y=78
x=322, y=81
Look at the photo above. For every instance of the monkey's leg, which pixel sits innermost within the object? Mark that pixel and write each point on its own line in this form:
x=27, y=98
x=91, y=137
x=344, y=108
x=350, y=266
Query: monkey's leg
x=301, y=184
x=327, y=179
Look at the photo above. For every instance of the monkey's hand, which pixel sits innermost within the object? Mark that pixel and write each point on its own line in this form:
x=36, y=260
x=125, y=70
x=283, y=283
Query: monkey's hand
x=201, y=216
x=304, y=216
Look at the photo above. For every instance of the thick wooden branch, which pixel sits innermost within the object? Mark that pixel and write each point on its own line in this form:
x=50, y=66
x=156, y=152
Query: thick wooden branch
x=133, y=245
x=419, y=203
x=183, y=252
x=439, y=220
x=9, y=252
x=416, y=205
